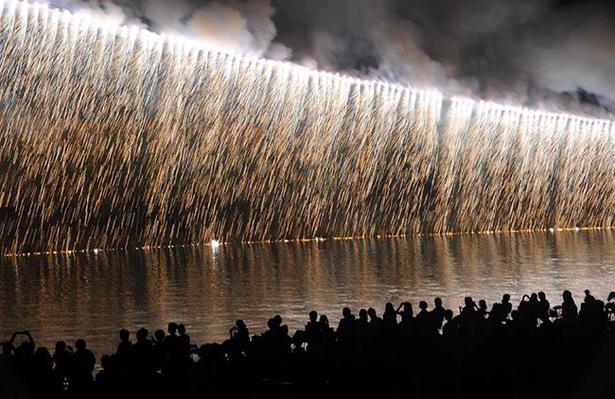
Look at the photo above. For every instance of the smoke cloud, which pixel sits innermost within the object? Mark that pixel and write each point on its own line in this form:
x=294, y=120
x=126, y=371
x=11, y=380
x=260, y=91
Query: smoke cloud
x=553, y=54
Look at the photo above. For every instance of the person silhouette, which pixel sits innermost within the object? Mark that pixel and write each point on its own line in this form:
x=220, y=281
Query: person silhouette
x=327, y=333
x=83, y=367
x=449, y=330
x=124, y=349
x=183, y=341
x=312, y=331
x=239, y=336
x=171, y=342
x=437, y=313
x=144, y=355
x=389, y=317
x=108, y=381
x=159, y=336
x=63, y=364
x=482, y=310
x=469, y=317
x=543, y=307
x=506, y=306
x=42, y=372
x=569, y=308
x=172, y=329
x=345, y=328
x=362, y=328
x=159, y=349
x=422, y=317
x=375, y=322
x=363, y=320
x=610, y=306
x=406, y=312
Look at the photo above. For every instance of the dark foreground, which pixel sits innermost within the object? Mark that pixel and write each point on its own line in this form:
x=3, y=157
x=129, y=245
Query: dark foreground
x=534, y=350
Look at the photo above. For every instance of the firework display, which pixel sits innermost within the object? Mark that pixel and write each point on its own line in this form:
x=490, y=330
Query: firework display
x=117, y=137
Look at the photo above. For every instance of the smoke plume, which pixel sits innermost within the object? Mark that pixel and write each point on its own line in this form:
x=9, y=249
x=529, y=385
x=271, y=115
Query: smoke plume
x=553, y=54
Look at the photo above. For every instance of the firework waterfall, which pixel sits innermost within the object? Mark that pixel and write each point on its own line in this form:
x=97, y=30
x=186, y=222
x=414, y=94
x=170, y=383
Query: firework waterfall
x=118, y=137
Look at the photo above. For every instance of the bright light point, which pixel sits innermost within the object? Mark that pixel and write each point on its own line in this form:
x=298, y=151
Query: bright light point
x=215, y=244
x=576, y=229
x=551, y=229
x=95, y=250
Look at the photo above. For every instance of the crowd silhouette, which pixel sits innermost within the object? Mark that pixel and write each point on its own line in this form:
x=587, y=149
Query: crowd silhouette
x=533, y=350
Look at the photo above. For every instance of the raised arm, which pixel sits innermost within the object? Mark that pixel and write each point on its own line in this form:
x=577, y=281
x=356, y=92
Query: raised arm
x=27, y=334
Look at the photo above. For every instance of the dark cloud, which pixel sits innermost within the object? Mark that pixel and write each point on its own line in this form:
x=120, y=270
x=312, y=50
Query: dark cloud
x=549, y=53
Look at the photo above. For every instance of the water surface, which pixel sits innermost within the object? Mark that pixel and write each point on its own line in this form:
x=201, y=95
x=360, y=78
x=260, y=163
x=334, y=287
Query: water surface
x=94, y=295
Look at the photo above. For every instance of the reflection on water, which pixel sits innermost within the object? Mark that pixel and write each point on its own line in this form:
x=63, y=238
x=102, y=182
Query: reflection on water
x=96, y=294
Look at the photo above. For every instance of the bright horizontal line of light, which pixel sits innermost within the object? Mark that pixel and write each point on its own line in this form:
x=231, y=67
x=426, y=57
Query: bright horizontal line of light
x=187, y=44
x=215, y=244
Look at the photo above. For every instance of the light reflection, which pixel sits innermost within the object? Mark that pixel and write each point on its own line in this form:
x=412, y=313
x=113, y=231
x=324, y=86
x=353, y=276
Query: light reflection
x=68, y=296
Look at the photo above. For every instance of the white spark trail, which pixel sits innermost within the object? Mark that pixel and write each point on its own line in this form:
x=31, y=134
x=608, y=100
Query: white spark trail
x=112, y=137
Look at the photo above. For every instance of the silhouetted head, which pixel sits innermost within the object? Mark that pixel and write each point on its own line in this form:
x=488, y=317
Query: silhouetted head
x=172, y=328
x=589, y=297
x=542, y=296
x=159, y=335
x=124, y=335
x=514, y=314
x=324, y=320
x=142, y=334
x=611, y=296
x=371, y=312
x=482, y=304
x=448, y=315
x=277, y=319
x=26, y=347
x=80, y=345
x=299, y=339
x=60, y=346
x=347, y=313
x=506, y=298
x=313, y=316
x=388, y=308
x=240, y=324
x=408, y=308
x=567, y=296
x=43, y=356
x=181, y=329
x=363, y=315
x=437, y=302
x=423, y=305
x=469, y=301
x=534, y=297
x=284, y=329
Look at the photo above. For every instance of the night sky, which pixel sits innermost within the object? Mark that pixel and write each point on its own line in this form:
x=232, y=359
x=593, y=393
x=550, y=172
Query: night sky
x=552, y=54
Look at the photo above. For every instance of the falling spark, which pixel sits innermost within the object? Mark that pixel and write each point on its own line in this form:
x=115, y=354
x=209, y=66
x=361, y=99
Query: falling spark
x=115, y=138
